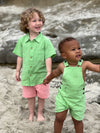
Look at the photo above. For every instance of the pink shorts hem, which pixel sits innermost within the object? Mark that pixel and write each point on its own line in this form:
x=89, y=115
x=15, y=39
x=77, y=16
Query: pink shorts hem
x=41, y=91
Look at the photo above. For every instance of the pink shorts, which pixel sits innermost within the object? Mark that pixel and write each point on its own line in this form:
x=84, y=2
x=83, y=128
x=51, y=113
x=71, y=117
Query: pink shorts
x=41, y=90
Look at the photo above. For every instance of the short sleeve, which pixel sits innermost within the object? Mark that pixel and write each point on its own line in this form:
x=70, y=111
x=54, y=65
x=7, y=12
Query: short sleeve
x=18, y=48
x=49, y=49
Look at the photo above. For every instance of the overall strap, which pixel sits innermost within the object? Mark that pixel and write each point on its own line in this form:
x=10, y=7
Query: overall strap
x=78, y=64
x=66, y=63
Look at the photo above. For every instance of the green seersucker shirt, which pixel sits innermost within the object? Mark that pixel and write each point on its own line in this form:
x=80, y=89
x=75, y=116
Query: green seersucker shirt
x=34, y=54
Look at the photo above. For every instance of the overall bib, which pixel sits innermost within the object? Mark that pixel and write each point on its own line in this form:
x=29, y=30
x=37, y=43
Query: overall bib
x=71, y=92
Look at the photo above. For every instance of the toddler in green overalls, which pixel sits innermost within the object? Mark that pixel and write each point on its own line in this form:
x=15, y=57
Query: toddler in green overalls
x=70, y=95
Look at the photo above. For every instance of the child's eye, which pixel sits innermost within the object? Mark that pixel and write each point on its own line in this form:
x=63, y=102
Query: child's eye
x=34, y=21
x=73, y=49
x=79, y=48
x=40, y=19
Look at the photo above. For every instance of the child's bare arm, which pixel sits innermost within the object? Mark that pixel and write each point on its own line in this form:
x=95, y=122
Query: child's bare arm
x=48, y=63
x=18, y=68
x=55, y=73
x=92, y=67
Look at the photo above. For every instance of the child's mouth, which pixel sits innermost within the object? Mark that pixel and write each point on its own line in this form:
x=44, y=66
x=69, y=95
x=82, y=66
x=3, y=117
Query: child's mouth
x=37, y=28
x=78, y=56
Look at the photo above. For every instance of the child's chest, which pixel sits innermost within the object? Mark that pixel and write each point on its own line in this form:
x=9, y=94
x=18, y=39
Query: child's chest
x=71, y=74
x=33, y=48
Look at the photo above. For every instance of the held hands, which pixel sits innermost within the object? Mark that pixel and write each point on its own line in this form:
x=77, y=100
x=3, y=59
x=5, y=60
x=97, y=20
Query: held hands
x=48, y=73
x=17, y=76
x=45, y=81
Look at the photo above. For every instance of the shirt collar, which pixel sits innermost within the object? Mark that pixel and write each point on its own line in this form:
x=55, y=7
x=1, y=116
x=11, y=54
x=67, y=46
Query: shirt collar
x=37, y=39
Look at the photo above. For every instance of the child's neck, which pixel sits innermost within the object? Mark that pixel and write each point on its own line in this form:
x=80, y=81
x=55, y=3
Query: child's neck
x=33, y=35
x=72, y=63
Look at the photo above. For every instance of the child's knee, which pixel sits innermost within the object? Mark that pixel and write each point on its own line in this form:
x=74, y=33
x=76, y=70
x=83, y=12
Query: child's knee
x=76, y=122
x=60, y=118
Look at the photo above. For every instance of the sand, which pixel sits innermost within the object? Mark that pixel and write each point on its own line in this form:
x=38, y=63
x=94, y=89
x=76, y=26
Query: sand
x=14, y=109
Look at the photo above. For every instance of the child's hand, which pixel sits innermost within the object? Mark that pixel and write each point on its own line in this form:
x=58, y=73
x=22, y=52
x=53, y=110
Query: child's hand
x=48, y=73
x=45, y=81
x=17, y=76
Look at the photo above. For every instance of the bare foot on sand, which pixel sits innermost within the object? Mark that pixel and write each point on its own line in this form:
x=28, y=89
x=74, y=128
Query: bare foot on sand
x=31, y=117
x=40, y=118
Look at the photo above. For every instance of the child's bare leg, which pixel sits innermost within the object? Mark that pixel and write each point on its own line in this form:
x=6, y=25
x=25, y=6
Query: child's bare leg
x=58, y=124
x=31, y=106
x=78, y=126
x=40, y=109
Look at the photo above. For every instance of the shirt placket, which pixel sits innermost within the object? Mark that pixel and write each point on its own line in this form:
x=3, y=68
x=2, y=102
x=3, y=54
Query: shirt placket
x=31, y=59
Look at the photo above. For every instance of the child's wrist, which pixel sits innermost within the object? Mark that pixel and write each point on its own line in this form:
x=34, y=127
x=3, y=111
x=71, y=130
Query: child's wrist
x=17, y=71
x=49, y=72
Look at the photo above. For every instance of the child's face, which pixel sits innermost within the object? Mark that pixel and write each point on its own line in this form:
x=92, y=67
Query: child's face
x=71, y=51
x=35, y=24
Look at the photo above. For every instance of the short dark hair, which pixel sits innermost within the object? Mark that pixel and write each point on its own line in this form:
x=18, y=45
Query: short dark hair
x=62, y=42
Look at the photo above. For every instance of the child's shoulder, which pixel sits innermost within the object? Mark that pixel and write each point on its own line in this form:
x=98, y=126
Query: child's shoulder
x=45, y=37
x=86, y=64
x=60, y=68
x=61, y=65
x=22, y=37
x=91, y=66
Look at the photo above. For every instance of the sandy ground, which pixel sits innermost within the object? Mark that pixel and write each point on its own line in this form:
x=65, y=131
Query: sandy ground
x=14, y=110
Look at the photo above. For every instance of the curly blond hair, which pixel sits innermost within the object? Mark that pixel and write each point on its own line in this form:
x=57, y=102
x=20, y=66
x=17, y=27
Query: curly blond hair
x=26, y=16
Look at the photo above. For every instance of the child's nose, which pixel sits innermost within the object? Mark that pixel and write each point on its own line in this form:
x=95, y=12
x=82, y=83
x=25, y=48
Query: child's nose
x=77, y=50
x=38, y=22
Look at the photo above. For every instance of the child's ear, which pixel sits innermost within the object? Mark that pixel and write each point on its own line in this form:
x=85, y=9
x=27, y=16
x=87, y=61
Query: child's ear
x=27, y=27
x=63, y=55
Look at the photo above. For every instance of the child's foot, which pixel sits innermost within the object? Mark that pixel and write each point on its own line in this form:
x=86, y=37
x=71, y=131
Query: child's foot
x=40, y=118
x=31, y=117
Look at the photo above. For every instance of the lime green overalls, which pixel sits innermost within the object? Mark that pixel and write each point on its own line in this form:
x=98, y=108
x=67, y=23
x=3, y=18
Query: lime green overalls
x=71, y=92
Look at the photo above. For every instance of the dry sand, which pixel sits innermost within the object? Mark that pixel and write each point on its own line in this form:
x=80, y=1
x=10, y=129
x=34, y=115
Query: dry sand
x=14, y=110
